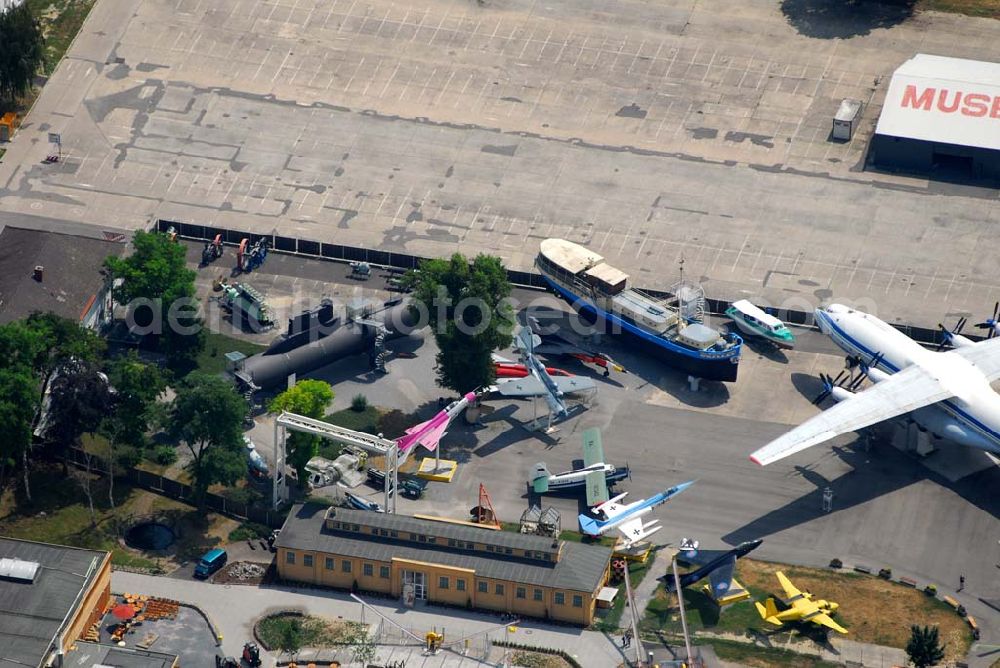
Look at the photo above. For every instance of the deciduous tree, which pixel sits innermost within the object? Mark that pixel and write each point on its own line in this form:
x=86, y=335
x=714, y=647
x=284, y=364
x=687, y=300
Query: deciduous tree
x=309, y=398
x=470, y=315
x=156, y=273
x=207, y=416
x=22, y=51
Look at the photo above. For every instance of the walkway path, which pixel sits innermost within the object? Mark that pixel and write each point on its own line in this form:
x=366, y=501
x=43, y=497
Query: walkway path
x=234, y=608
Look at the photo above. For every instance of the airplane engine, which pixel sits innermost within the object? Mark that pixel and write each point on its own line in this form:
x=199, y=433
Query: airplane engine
x=943, y=426
x=828, y=605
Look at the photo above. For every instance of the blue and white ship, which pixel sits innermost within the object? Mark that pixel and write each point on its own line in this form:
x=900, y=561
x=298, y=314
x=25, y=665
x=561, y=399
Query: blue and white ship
x=667, y=330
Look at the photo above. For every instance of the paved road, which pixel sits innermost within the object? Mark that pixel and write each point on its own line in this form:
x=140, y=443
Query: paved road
x=649, y=131
x=234, y=609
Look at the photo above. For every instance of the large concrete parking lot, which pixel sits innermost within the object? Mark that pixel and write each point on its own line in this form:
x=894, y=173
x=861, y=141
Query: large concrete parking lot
x=650, y=131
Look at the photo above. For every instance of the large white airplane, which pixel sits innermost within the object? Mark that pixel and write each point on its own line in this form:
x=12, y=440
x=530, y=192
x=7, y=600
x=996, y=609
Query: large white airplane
x=947, y=392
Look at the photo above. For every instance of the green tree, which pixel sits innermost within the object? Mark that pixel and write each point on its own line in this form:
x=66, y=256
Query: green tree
x=36, y=347
x=309, y=398
x=17, y=409
x=290, y=636
x=924, y=648
x=156, y=274
x=79, y=401
x=137, y=387
x=207, y=416
x=22, y=50
x=470, y=315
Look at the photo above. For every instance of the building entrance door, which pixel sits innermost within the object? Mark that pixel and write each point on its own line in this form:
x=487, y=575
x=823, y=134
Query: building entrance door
x=416, y=580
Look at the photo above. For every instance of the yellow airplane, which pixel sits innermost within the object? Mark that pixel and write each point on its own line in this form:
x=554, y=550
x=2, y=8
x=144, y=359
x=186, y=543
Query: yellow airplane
x=802, y=608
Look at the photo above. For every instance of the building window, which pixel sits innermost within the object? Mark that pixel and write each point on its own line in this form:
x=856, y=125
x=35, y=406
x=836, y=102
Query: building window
x=489, y=548
x=394, y=534
x=413, y=536
x=508, y=551
x=451, y=542
x=383, y=572
x=520, y=593
x=345, y=566
x=290, y=557
x=483, y=587
x=498, y=590
x=368, y=570
x=307, y=560
x=422, y=538
x=577, y=601
x=443, y=582
x=560, y=598
x=460, y=585
x=538, y=594
x=329, y=563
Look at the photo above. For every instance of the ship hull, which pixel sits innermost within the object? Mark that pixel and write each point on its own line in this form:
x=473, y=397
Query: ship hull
x=719, y=366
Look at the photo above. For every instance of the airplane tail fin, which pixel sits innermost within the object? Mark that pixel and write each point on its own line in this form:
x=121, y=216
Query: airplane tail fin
x=772, y=611
x=761, y=610
x=540, y=478
x=590, y=526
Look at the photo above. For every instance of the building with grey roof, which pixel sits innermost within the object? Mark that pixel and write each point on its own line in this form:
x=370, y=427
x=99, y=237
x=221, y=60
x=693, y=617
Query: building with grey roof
x=88, y=655
x=52, y=271
x=44, y=609
x=454, y=564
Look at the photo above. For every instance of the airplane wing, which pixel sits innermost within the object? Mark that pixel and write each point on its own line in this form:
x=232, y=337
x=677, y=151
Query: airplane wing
x=631, y=529
x=908, y=390
x=984, y=355
x=573, y=384
x=824, y=619
x=699, y=557
x=610, y=509
x=416, y=427
x=791, y=591
x=722, y=577
x=593, y=451
x=597, y=488
x=528, y=386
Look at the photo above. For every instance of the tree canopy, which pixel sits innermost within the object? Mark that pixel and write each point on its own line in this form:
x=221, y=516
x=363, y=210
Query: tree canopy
x=30, y=350
x=137, y=386
x=207, y=416
x=80, y=400
x=924, y=648
x=22, y=51
x=156, y=273
x=309, y=398
x=469, y=313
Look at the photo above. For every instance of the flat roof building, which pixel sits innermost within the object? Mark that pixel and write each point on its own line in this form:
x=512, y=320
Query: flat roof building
x=44, y=609
x=941, y=114
x=439, y=562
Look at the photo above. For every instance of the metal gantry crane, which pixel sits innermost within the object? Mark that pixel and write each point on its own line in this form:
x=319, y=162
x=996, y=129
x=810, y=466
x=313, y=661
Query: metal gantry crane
x=375, y=445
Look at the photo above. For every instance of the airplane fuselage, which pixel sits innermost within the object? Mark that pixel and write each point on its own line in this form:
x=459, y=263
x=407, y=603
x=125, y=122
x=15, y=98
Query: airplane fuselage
x=971, y=417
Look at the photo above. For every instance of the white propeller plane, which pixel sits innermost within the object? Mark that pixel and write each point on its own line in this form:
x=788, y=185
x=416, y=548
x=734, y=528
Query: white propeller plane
x=947, y=392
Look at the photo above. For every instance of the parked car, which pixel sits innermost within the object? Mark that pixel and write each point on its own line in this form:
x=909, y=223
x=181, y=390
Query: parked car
x=210, y=562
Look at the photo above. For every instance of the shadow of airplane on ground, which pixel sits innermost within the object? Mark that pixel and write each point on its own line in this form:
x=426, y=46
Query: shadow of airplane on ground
x=873, y=474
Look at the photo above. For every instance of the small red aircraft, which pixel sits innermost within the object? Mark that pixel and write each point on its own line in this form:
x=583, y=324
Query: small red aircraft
x=515, y=370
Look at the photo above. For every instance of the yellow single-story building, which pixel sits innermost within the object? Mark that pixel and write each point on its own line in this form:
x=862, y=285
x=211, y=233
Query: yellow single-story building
x=454, y=564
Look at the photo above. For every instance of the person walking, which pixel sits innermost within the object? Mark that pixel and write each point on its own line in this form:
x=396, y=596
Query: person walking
x=961, y=582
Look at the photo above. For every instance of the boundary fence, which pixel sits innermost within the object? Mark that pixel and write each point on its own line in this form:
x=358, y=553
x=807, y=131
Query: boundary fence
x=170, y=488
x=342, y=253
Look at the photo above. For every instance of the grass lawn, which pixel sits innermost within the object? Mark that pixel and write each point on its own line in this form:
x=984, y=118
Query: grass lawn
x=212, y=359
x=984, y=8
x=311, y=631
x=636, y=572
x=759, y=657
x=59, y=514
x=887, y=623
x=61, y=20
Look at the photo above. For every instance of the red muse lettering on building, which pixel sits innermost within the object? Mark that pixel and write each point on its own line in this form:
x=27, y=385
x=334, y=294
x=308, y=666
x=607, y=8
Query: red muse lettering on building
x=946, y=101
